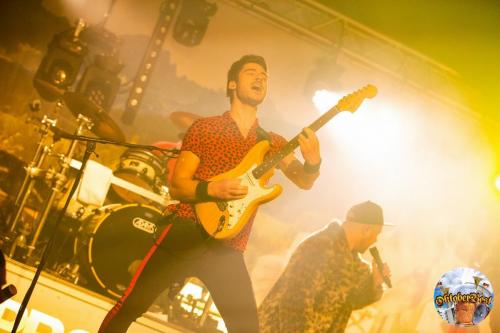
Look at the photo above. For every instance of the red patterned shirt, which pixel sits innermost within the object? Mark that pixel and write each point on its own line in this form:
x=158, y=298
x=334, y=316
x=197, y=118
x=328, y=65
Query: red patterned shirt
x=220, y=146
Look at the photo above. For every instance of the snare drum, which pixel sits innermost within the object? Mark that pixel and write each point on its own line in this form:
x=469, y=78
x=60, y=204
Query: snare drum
x=143, y=168
x=114, y=241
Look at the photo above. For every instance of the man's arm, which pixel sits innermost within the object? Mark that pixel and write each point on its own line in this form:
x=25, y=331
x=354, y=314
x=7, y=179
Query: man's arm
x=303, y=175
x=183, y=187
x=370, y=288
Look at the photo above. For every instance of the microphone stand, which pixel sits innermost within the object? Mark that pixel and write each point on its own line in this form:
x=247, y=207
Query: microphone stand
x=169, y=152
x=90, y=148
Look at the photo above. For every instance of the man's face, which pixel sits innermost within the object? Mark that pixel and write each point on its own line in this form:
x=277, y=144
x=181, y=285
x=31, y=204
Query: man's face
x=251, y=87
x=370, y=235
x=464, y=312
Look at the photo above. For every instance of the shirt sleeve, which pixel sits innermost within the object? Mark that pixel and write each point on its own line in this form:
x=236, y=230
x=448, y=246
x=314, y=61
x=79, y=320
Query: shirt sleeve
x=193, y=140
x=365, y=292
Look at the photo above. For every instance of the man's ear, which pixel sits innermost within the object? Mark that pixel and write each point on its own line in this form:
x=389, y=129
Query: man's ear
x=231, y=85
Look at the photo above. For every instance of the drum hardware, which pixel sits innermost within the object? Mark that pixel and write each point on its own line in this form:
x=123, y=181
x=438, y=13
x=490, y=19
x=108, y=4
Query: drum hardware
x=59, y=180
x=33, y=172
x=164, y=191
x=48, y=248
x=69, y=271
x=21, y=241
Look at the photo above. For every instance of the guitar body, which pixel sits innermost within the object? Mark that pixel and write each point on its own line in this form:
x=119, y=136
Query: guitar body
x=223, y=219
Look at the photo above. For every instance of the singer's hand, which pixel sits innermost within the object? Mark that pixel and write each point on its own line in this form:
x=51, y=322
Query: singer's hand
x=377, y=277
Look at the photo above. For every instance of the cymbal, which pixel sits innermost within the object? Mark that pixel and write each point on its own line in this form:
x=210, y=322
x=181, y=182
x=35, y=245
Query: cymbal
x=183, y=120
x=104, y=126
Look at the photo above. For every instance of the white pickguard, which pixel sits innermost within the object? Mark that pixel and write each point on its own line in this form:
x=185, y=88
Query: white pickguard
x=236, y=208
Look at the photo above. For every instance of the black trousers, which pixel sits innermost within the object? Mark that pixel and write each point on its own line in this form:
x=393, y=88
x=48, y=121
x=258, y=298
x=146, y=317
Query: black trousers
x=184, y=250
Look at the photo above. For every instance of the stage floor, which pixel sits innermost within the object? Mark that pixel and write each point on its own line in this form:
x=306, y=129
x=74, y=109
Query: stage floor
x=58, y=306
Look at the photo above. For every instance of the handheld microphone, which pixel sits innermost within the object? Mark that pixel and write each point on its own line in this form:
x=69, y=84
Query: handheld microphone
x=7, y=293
x=378, y=261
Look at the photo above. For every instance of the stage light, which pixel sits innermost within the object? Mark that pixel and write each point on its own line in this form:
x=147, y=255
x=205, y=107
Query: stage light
x=192, y=22
x=60, y=66
x=325, y=75
x=100, y=82
x=167, y=12
x=324, y=99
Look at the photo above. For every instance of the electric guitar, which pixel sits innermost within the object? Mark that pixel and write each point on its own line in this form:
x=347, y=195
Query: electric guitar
x=225, y=219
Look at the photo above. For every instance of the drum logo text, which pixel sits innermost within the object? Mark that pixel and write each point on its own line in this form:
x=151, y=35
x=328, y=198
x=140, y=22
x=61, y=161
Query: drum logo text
x=144, y=225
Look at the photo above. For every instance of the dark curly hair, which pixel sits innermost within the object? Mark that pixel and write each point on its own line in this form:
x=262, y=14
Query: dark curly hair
x=232, y=74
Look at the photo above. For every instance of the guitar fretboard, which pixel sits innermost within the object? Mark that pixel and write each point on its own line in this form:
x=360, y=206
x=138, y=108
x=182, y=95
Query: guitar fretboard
x=271, y=162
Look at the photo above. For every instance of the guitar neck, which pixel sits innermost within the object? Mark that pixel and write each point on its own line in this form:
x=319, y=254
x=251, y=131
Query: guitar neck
x=270, y=163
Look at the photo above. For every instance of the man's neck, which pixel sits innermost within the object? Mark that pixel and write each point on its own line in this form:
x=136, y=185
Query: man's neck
x=350, y=236
x=244, y=115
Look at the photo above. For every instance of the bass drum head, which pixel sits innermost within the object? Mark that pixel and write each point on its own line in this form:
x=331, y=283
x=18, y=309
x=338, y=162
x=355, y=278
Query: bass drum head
x=114, y=242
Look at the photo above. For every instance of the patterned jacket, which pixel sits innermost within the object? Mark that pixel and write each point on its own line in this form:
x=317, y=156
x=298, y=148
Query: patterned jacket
x=322, y=284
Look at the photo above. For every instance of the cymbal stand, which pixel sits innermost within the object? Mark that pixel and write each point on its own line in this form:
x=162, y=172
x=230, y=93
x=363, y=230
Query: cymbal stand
x=59, y=180
x=48, y=248
x=33, y=171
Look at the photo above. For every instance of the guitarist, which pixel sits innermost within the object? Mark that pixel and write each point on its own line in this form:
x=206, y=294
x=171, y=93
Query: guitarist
x=213, y=146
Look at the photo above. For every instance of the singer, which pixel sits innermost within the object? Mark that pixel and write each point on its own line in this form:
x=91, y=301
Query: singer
x=326, y=279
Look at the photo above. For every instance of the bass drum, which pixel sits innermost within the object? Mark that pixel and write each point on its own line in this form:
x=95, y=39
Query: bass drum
x=114, y=241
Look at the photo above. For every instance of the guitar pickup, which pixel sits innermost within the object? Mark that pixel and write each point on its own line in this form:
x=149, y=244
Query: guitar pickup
x=222, y=221
x=222, y=205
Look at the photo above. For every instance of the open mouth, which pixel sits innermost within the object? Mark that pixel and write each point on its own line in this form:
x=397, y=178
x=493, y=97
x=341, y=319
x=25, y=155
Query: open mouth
x=257, y=88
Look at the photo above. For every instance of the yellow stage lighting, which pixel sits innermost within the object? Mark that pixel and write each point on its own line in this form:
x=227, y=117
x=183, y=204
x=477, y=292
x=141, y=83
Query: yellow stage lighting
x=324, y=99
x=497, y=183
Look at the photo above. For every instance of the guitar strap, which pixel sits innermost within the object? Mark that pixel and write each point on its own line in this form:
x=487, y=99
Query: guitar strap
x=262, y=135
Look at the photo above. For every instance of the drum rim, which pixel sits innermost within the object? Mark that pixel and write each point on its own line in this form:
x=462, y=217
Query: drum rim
x=132, y=153
x=135, y=173
x=90, y=241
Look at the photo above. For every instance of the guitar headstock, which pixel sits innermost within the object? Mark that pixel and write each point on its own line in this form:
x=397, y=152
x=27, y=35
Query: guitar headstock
x=352, y=101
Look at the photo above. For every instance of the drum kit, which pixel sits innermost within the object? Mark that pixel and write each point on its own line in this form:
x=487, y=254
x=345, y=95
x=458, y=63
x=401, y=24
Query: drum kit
x=110, y=221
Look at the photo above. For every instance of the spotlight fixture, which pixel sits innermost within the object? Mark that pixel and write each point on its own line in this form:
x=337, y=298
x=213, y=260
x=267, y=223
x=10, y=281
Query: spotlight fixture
x=100, y=82
x=324, y=76
x=60, y=66
x=192, y=21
